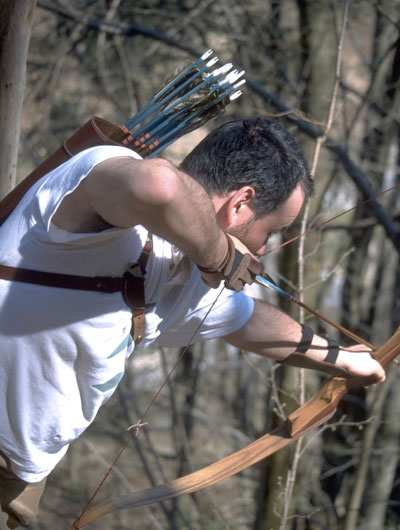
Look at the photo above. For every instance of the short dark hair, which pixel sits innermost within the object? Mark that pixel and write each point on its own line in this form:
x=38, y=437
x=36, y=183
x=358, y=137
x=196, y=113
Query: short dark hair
x=257, y=152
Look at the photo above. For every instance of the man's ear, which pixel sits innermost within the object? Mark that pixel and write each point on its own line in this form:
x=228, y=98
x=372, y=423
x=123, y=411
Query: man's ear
x=239, y=207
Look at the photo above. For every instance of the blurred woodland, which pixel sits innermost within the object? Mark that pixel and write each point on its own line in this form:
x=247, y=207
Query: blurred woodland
x=328, y=70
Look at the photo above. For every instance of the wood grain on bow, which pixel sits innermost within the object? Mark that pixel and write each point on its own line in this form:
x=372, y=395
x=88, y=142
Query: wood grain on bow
x=319, y=409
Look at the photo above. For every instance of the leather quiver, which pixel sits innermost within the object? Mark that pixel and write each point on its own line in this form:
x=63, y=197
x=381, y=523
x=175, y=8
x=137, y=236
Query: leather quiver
x=94, y=132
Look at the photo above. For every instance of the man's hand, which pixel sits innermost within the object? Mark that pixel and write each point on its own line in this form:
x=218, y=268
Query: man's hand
x=358, y=361
x=355, y=361
x=238, y=268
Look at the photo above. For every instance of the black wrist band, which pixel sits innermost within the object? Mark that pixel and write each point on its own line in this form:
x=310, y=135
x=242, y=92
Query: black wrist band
x=333, y=351
x=306, y=339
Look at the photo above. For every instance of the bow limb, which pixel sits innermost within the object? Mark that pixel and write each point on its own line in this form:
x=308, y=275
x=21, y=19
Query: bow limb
x=316, y=411
x=207, y=476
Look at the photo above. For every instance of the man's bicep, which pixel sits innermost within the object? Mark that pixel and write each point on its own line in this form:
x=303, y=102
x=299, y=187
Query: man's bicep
x=125, y=191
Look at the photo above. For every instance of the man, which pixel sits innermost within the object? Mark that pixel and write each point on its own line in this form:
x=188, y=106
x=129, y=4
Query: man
x=63, y=350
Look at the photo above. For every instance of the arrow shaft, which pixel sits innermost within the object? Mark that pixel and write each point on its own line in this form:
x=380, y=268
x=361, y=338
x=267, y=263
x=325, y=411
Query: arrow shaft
x=265, y=282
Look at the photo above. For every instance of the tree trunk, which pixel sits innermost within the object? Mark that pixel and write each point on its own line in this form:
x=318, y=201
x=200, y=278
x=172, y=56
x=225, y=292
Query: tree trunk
x=381, y=487
x=15, y=28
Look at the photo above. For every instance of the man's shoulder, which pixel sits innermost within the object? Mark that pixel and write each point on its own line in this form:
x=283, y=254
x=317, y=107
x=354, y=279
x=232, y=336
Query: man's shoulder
x=108, y=151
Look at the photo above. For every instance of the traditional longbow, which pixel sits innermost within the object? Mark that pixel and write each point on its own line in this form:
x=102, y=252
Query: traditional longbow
x=316, y=411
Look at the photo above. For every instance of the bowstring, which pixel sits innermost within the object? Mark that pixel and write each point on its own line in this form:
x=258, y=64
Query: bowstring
x=311, y=229
x=140, y=423
x=316, y=227
x=320, y=225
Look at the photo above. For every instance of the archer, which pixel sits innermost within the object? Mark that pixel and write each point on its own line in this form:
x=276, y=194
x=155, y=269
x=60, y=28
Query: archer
x=65, y=337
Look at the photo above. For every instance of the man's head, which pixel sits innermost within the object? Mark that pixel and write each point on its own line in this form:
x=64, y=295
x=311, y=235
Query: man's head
x=255, y=152
x=256, y=176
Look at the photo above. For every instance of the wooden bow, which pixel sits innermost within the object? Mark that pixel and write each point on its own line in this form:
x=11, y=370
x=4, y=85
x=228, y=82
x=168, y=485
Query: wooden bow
x=316, y=411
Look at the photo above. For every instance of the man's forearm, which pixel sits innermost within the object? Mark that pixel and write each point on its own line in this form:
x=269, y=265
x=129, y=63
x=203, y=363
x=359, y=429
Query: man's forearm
x=273, y=334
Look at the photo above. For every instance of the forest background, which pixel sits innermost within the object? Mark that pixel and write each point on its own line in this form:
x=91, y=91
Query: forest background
x=340, y=98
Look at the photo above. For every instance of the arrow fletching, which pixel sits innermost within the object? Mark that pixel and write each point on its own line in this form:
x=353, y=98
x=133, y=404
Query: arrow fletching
x=190, y=97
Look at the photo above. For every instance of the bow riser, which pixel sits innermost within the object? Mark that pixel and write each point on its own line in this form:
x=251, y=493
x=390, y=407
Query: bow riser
x=335, y=388
x=321, y=405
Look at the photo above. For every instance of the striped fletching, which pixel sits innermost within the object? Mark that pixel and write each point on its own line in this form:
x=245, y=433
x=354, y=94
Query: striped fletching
x=190, y=97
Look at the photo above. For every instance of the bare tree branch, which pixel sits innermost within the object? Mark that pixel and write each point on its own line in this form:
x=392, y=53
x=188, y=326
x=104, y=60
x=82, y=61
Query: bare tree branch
x=130, y=30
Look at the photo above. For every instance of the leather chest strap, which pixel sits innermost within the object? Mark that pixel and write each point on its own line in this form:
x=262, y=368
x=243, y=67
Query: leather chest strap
x=131, y=285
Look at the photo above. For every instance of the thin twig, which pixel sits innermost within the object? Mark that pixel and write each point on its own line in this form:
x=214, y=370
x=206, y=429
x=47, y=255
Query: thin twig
x=291, y=477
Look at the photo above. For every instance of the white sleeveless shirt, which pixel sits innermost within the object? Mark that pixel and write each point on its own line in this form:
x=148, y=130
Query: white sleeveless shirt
x=63, y=351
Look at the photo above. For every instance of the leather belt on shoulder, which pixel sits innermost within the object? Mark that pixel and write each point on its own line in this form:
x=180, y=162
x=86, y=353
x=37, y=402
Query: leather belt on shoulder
x=131, y=285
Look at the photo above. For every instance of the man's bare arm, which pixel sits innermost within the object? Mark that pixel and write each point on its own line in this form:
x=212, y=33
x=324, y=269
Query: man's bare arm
x=125, y=192
x=273, y=334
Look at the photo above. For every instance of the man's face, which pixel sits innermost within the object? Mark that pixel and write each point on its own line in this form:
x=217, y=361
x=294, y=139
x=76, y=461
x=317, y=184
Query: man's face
x=254, y=233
